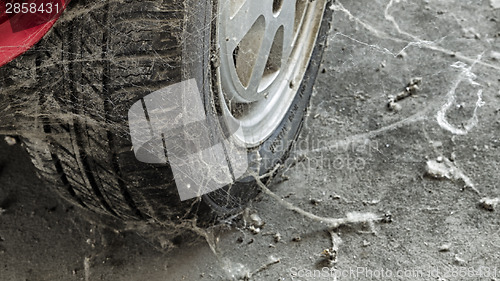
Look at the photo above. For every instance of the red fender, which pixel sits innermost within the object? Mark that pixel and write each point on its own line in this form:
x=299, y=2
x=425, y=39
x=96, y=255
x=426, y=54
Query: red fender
x=24, y=22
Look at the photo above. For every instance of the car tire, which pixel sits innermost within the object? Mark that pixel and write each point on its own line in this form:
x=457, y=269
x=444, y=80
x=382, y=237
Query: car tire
x=100, y=59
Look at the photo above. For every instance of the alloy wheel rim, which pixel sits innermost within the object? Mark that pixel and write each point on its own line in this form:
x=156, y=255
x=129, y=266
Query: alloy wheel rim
x=265, y=48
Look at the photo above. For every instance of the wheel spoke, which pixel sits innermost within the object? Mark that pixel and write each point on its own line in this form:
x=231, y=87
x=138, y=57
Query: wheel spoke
x=243, y=20
x=262, y=58
x=279, y=20
x=286, y=19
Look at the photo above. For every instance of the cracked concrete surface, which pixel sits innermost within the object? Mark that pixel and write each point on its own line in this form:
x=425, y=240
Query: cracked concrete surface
x=354, y=157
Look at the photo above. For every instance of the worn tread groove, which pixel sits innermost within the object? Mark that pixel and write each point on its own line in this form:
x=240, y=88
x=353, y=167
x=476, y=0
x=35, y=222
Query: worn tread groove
x=79, y=132
x=65, y=181
x=108, y=109
x=87, y=170
x=61, y=147
x=69, y=75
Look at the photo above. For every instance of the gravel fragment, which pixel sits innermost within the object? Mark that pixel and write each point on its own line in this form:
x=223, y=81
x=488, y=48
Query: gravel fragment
x=489, y=203
x=444, y=248
x=254, y=230
x=277, y=237
x=495, y=4
x=10, y=140
x=256, y=220
x=443, y=168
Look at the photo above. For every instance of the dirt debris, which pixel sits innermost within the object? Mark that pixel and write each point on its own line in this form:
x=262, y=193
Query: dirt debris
x=495, y=4
x=330, y=254
x=277, y=237
x=315, y=201
x=386, y=218
x=254, y=230
x=409, y=90
x=443, y=168
x=489, y=203
x=256, y=220
x=253, y=222
x=471, y=33
x=444, y=248
x=495, y=55
x=10, y=141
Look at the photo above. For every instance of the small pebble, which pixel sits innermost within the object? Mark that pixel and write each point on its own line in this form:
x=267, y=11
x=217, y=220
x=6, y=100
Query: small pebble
x=256, y=220
x=10, y=140
x=402, y=55
x=387, y=218
x=453, y=156
x=277, y=237
x=315, y=201
x=489, y=203
x=254, y=230
x=495, y=55
x=444, y=248
x=395, y=106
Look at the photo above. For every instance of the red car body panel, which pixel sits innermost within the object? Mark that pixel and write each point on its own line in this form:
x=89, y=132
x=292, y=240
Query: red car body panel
x=24, y=23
